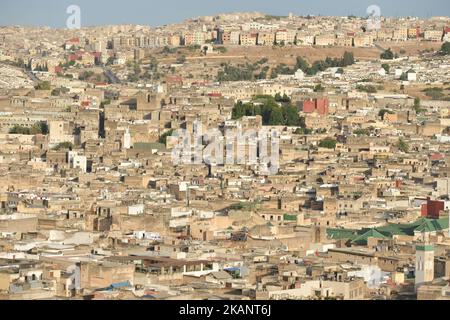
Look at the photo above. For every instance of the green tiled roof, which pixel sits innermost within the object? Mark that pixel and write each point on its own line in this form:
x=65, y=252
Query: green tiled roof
x=425, y=247
x=421, y=225
x=431, y=225
x=338, y=234
x=360, y=237
x=290, y=217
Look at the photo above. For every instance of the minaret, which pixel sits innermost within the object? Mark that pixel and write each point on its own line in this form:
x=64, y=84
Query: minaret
x=424, y=264
x=127, y=139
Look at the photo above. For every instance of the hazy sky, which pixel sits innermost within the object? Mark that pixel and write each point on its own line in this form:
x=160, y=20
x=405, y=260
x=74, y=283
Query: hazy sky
x=158, y=12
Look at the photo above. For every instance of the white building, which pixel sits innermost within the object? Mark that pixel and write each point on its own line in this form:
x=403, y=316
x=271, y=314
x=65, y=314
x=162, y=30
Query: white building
x=411, y=75
x=136, y=210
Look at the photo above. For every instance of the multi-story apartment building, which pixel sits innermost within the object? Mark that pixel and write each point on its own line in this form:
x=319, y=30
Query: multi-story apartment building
x=199, y=37
x=291, y=37
x=248, y=38
x=231, y=37
x=384, y=35
x=188, y=38
x=266, y=38
x=225, y=37
x=174, y=40
x=194, y=38
x=285, y=36
x=400, y=34
x=363, y=40
x=281, y=36
x=413, y=33
x=305, y=39
x=325, y=40
x=235, y=37
x=344, y=41
x=433, y=35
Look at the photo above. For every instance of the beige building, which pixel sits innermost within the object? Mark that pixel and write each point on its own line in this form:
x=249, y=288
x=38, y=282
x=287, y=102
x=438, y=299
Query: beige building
x=363, y=41
x=266, y=38
x=248, y=39
x=433, y=35
x=325, y=40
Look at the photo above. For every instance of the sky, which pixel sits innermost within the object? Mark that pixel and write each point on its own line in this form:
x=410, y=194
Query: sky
x=52, y=13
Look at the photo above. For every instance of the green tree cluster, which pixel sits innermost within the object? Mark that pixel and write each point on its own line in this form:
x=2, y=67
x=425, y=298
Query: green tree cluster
x=321, y=65
x=366, y=88
x=38, y=128
x=237, y=73
x=387, y=55
x=328, y=143
x=402, y=145
x=445, y=49
x=435, y=93
x=361, y=132
x=417, y=107
x=63, y=145
x=270, y=111
x=163, y=137
x=43, y=85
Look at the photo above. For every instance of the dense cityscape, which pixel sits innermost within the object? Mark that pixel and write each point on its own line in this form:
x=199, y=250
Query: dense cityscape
x=239, y=156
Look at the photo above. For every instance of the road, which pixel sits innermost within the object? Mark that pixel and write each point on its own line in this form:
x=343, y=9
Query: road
x=32, y=76
x=111, y=76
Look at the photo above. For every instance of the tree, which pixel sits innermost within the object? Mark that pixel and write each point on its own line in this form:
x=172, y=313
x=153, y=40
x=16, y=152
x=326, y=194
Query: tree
x=402, y=145
x=59, y=91
x=303, y=131
x=435, y=93
x=386, y=67
x=383, y=112
x=290, y=116
x=276, y=116
x=445, y=49
x=20, y=130
x=319, y=88
x=361, y=132
x=163, y=138
x=267, y=107
x=328, y=143
x=387, y=55
x=236, y=73
x=368, y=88
x=43, y=85
x=63, y=145
x=416, y=106
x=348, y=59
x=40, y=127
x=302, y=64
x=282, y=98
